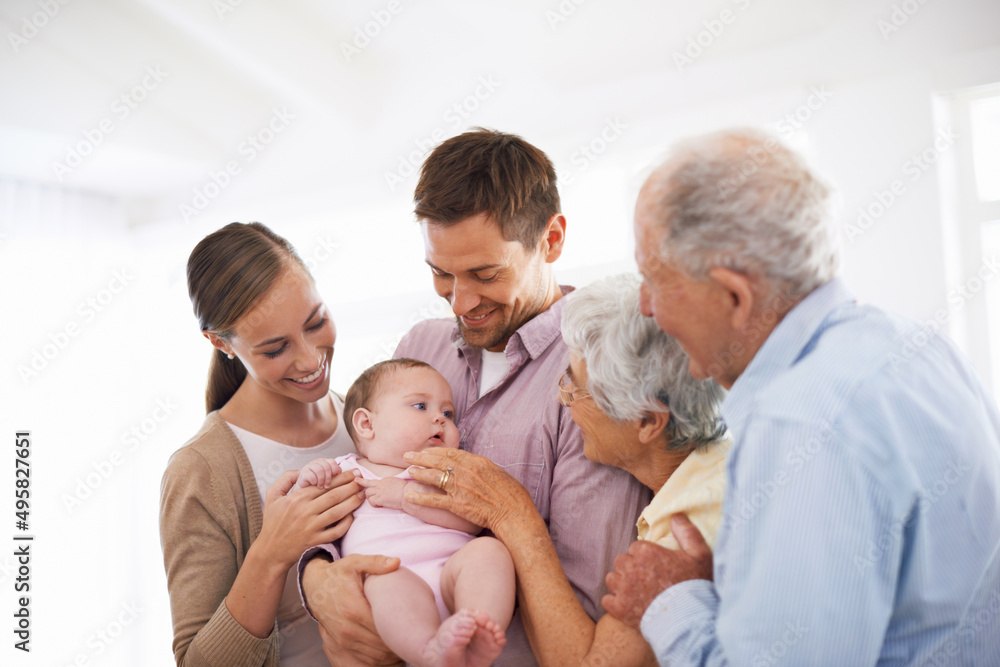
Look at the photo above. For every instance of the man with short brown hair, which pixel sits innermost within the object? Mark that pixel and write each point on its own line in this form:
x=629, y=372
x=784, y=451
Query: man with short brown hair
x=489, y=210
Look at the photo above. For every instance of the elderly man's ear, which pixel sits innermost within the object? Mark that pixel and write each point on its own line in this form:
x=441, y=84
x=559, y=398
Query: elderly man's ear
x=738, y=295
x=651, y=426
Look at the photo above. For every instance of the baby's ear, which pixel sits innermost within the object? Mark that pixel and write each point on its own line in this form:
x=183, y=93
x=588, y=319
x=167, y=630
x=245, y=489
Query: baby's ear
x=363, y=424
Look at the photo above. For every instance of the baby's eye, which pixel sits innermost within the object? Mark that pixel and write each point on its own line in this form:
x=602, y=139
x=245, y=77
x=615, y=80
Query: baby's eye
x=420, y=406
x=449, y=414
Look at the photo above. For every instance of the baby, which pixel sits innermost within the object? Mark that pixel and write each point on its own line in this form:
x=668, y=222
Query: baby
x=452, y=597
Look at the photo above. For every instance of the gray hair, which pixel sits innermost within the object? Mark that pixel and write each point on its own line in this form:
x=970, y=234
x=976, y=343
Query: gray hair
x=742, y=200
x=634, y=368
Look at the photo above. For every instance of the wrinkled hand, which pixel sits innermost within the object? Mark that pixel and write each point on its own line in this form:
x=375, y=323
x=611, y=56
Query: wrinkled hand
x=385, y=492
x=319, y=472
x=648, y=569
x=295, y=522
x=477, y=489
x=335, y=595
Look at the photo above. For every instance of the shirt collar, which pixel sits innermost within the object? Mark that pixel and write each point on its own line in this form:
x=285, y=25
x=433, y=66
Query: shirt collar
x=532, y=338
x=783, y=347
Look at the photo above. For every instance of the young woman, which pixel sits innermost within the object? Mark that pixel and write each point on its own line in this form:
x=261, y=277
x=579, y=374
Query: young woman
x=230, y=530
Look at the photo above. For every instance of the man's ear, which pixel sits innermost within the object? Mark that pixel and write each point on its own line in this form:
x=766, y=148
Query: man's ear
x=363, y=423
x=554, y=237
x=651, y=425
x=217, y=342
x=738, y=295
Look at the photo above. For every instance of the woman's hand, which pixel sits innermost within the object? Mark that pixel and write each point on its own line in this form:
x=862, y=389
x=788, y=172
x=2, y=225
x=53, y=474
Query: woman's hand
x=476, y=489
x=335, y=594
x=310, y=516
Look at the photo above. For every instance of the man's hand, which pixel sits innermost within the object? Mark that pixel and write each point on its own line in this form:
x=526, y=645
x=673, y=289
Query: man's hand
x=648, y=569
x=335, y=594
x=385, y=492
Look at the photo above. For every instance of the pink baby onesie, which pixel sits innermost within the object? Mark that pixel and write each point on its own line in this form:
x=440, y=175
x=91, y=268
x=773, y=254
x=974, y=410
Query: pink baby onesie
x=420, y=546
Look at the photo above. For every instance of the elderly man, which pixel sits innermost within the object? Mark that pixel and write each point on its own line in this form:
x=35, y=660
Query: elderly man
x=489, y=210
x=862, y=520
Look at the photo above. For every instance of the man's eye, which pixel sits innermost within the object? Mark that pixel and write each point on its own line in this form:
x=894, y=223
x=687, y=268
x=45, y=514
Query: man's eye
x=487, y=279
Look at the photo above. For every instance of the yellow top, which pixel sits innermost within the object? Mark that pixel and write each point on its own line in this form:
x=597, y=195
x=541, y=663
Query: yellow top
x=694, y=489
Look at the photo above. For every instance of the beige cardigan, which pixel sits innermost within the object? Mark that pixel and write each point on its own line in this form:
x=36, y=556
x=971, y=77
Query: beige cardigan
x=210, y=514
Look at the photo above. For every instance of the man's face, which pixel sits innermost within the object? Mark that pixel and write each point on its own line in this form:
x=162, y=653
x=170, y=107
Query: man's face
x=681, y=306
x=493, y=285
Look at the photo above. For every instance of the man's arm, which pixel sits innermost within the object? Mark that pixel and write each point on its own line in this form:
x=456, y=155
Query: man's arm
x=808, y=561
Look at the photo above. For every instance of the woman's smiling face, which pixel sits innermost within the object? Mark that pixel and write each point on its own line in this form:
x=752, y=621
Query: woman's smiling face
x=286, y=340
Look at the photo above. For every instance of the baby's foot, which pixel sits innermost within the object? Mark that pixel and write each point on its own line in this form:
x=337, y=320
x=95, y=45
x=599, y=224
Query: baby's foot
x=448, y=647
x=487, y=643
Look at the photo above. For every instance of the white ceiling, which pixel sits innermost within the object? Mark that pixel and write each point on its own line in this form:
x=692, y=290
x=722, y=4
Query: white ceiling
x=556, y=68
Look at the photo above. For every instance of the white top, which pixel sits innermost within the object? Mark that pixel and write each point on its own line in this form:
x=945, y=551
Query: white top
x=301, y=644
x=495, y=367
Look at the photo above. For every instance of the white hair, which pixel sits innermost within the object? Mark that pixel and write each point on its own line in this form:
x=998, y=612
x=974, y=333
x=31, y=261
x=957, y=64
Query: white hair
x=742, y=200
x=634, y=368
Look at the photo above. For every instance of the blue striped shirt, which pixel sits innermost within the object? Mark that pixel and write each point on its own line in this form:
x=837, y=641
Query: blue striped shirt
x=862, y=516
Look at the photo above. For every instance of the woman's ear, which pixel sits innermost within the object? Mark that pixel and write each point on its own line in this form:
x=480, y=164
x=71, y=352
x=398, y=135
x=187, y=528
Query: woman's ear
x=652, y=425
x=217, y=342
x=364, y=426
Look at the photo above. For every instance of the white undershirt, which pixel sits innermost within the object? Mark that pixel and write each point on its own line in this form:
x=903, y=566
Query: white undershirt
x=301, y=644
x=494, y=369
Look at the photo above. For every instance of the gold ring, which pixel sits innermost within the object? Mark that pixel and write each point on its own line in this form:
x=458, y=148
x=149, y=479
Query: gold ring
x=444, y=478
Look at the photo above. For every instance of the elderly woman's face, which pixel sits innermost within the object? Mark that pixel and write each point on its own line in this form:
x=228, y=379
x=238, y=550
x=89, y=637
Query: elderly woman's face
x=604, y=440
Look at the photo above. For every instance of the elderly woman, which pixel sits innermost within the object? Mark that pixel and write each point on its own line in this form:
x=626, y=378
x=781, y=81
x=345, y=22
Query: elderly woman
x=639, y=409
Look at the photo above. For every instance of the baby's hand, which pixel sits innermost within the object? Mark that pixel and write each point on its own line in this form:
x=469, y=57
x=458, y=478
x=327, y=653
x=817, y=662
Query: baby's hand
x=317, y=473
x=387, y=492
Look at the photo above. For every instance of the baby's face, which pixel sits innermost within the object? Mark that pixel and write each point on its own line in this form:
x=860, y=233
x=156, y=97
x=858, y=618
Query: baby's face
x=413, y=412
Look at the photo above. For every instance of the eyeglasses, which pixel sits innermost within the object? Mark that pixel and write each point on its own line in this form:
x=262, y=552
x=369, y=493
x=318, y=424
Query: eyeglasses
x=568, y=393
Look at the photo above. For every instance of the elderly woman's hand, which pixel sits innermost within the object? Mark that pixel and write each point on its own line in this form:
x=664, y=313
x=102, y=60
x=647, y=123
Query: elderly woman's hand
x=476, y=489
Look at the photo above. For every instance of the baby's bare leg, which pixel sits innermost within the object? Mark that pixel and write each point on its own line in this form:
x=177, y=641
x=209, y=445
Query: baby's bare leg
x=480, y=576
x=407, y=618
x=406, y=615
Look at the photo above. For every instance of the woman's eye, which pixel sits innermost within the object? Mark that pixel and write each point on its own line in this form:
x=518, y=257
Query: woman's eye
x=318, y=325
x=274, y=353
